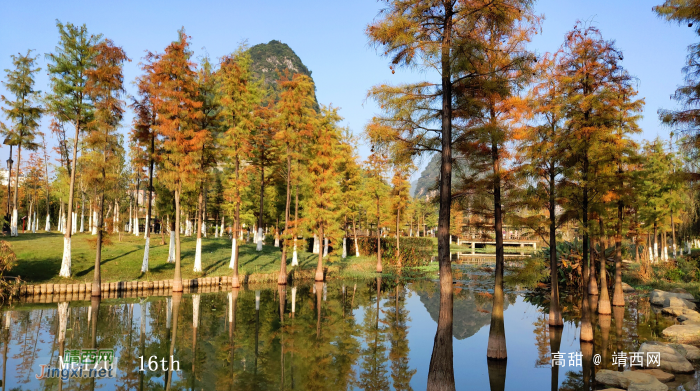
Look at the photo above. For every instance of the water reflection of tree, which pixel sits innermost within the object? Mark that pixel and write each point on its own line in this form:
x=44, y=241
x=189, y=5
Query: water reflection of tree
x=396, y=319
x=307, y=351
x=373, y=374
x=542, y=342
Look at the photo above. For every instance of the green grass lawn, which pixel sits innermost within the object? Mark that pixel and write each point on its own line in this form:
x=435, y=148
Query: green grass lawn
x=39, y=258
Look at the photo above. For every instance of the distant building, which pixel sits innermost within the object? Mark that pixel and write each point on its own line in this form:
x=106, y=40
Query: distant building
x=3, y=177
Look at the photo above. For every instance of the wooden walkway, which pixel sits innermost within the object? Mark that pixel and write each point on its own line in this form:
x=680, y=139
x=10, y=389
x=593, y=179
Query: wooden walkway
x=509, y=243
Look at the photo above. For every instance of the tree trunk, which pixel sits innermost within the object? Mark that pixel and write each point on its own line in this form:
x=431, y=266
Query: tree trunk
x=259, y=245
x=398, y=252
x=66, y=261
x=604, y=300
x=15, y=221
x=235, y=283
x=82, y=212
x=295, y=259
x=354, y=232
x=586, y=331
x=441, y=370
x=618, y=295
x=379, y=240
x=97, y=278
x=497, y=334
x=198, y=248
x=319, y=265
x=177, y=279
x=673, y=235
x=144, y=267
x=555, y=318
x=282, y=279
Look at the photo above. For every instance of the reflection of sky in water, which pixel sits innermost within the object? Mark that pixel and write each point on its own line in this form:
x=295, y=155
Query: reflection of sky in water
x=421, y=304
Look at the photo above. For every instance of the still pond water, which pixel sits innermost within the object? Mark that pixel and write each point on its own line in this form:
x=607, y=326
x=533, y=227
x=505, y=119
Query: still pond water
x=341, y=335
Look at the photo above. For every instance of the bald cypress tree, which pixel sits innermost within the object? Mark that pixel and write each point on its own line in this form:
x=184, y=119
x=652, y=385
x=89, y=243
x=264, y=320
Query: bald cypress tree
x=238, y=96
x=105, y=87
x=69, y=103
x=295, y=109
x=688, y=95
x=177, y=109
x=23, y=112
x=436, y=35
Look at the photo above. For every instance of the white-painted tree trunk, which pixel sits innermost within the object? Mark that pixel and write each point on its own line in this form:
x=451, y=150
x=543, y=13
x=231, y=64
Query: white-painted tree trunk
x=675, y=250
x=136, y=225
x=259, y=246
x=48, y=223
x=171, y=251
x=65, y=223
x=357, y=249
x=74, y=223
x=144, y=265
x=325, y=247
x=60, y=217
x=90, y=222
x=665, y=253
x=36, y=223
x=345, y=249
x=198, y=256
x=146, y=227
x=195, y=310
x=277, y=240
x=651, y=255
x=13, y=223
x=656, y=252
x=65, y=262
x=82, y=219
x=295, y=257
x=216, y=231
x=94, y=222
x=232, y=264
x=315, y=247
x=204, y=229
x=62, y=320
x=294, y=299
x=222, y=226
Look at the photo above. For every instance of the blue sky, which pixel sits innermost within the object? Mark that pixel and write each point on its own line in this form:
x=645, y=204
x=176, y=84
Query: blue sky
x=329, y=38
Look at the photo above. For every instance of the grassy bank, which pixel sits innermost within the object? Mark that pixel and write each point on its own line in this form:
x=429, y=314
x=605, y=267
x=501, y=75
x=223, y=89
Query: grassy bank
x=39, y=259
x=682, y=273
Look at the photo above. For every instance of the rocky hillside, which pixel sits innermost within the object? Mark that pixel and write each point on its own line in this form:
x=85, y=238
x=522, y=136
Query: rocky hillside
x=272, y=59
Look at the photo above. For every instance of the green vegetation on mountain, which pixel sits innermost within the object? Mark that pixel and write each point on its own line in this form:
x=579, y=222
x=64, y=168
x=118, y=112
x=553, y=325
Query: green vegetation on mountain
x=272, y=59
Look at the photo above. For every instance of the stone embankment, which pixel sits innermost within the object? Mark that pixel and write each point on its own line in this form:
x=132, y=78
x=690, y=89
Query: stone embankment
x=54, y=293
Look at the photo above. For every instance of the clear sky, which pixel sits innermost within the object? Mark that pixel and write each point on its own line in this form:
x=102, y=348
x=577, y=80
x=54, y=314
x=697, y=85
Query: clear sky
x=329, y=38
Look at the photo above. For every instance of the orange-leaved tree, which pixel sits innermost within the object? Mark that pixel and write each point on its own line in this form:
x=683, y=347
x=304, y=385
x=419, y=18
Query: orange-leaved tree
x=295, y=110
x=435, y=35
x=540, y=159
x=322, y=206
x=177, y=110
x=105, y=86
x=591, y=77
